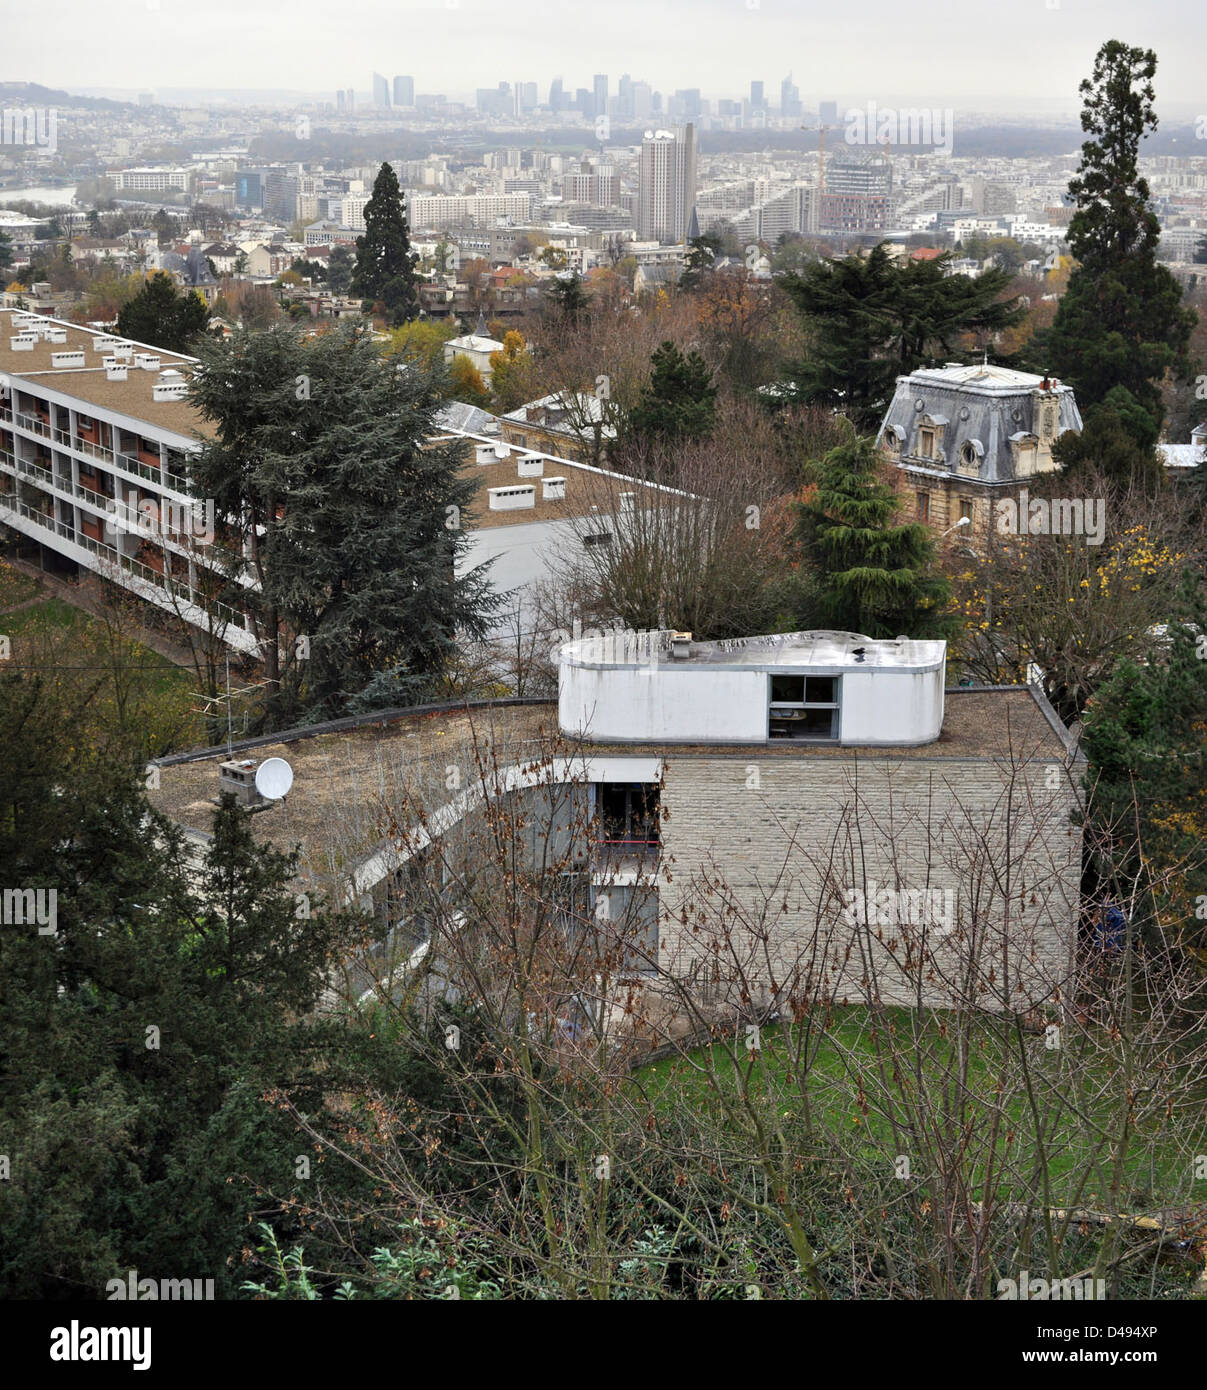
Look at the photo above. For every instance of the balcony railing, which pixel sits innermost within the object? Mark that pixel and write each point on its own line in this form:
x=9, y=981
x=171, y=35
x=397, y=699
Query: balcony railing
x=33, y=423
x=114, y=557
x=83, y=446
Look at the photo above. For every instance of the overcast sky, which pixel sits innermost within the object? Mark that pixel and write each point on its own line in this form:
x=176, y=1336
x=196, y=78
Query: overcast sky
x=1007, y=55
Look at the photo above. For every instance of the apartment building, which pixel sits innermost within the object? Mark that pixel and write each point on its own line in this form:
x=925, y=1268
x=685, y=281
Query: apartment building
x=150, y=180
x=95, y=440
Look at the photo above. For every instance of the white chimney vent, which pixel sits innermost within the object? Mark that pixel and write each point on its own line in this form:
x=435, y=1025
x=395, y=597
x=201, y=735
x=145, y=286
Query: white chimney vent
x=531, y=467
x=115, y=371
x=22, y=342
x=510, y=499
x=626, y=501
x=68, y=359
x=148, y=361
x=104, y=342
x=553, y=489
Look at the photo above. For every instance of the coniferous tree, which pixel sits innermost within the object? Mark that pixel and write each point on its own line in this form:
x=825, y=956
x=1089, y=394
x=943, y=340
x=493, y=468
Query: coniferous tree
x=875, y=577
x=385, y=263
x=872, y=320
x=140, y=1034
x=163, y=317
x=679, y=400
x=1121, y=322
x=1145, y=738
x=566, y=297
x=354, y=521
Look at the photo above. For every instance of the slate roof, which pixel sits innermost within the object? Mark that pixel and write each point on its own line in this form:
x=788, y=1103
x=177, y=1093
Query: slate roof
x=983, y=405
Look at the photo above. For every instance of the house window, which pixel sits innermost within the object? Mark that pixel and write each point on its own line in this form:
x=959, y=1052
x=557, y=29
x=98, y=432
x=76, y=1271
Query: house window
x=926, y=444
x=965, y=508
x=923, y=501
x=627, y=918
x=628, y=815
x=803, y=707
x=598, y=538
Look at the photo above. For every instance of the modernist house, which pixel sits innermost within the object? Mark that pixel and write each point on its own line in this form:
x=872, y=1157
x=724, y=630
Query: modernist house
x=767, y=822
x=965, y=436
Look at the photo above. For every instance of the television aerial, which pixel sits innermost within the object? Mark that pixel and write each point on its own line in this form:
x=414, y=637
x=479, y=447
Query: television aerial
x=274, y=777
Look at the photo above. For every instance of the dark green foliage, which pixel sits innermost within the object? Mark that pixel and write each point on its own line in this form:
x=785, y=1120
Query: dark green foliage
x=322, y=445
x=127, y=1155
x=163, y=317
x=1121, y=321
x=1145, y=736
x=702, y=253
x=679, y=401
x=875, y=577
x=385, y=263
x=565, y=298
x=1118, y=442
x=872, y=320
x=340, y=266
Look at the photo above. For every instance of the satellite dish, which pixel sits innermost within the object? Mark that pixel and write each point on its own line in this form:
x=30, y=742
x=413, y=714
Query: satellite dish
x=274, y=777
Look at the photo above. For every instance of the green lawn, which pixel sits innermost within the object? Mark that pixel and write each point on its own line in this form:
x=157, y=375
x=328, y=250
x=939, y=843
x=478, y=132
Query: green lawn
x=15, y=587
x=848, y=1062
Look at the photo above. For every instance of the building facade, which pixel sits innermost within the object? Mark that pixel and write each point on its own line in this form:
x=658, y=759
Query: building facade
x=965, y=436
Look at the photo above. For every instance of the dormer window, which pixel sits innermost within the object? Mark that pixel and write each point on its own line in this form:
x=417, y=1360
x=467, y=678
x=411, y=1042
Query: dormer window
x=926, y=444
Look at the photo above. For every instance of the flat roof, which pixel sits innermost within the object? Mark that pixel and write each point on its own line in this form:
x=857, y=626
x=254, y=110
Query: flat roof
x=132, y=397
x=982, y=377
x=787, y=649
x=352, y=787
x=586, y=486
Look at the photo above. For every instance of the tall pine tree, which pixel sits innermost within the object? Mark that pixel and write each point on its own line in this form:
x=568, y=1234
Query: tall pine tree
x=385, y=263
x=1121, y=322
x=874, y=577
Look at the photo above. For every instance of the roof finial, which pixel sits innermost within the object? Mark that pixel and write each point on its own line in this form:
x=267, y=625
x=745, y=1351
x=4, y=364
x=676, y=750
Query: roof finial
x=985, y=357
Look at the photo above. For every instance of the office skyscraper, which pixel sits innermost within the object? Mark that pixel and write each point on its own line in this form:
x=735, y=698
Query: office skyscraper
x=404, y=91
x=601, y=94
x=757, y=101
x=667, y=184
x=381, y=90
x=557, y=98
x=789, y=97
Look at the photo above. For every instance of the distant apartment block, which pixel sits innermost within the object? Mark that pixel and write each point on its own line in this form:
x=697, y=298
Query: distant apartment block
x=427, y=211
x=150, y=180
x=667, y=184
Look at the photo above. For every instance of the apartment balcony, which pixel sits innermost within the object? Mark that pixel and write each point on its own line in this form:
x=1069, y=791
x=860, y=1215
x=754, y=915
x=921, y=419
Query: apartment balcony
x=83, y=446
x=35, y=424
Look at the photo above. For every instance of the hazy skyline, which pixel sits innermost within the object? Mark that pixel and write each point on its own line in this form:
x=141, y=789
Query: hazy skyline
x=1011, y=59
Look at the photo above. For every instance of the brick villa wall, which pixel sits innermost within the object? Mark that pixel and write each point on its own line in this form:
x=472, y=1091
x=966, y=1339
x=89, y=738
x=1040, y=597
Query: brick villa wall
x=781, y=837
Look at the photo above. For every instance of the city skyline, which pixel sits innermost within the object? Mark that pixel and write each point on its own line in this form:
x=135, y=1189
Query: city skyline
x=719, y=46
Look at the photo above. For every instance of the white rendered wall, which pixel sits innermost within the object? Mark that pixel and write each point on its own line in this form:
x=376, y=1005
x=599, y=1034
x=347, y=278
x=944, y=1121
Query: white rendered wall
x=884, y=706
x=664, y=703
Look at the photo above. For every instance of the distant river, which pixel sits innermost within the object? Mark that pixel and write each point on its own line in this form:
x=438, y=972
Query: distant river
x=56, y=197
